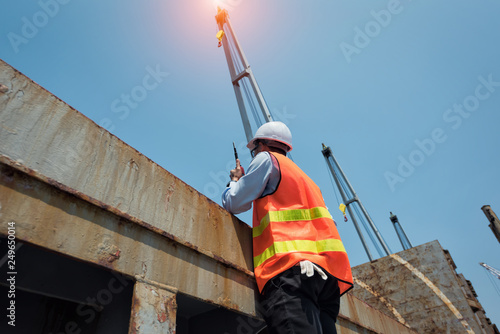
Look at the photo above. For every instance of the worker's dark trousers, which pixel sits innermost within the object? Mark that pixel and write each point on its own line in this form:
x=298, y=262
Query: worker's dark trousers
x=294, y=303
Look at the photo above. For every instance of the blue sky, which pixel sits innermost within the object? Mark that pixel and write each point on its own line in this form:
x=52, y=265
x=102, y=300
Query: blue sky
x=406, y=93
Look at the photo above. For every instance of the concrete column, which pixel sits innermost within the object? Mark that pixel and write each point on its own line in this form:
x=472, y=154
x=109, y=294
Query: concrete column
x=154, y=309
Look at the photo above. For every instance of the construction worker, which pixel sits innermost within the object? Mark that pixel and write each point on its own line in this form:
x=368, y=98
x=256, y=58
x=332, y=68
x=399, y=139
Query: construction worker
x=300, y=264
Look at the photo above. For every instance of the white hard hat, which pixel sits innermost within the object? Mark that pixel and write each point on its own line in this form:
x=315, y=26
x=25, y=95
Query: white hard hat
x=275, y=131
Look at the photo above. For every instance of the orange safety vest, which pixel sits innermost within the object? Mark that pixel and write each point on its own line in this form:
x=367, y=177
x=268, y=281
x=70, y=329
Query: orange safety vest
x=293, y=224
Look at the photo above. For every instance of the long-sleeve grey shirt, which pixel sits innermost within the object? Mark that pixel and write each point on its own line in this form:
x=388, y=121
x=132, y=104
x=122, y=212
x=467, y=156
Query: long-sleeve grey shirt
x=261, y=179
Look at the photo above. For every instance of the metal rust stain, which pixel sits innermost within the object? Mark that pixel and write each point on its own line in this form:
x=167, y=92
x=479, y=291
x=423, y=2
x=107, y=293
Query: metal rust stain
x=162, y=316
x=3, y=89
x=168, y=310
x=107, y=257
x=170, y=191
x=154, y=310
x=132, y=164
x=136, y=306
x=226, y=302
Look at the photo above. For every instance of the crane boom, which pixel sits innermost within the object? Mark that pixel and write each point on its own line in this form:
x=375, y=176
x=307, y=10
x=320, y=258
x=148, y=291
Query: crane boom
x=349, y=197
x=240, y=71
x=493, y=271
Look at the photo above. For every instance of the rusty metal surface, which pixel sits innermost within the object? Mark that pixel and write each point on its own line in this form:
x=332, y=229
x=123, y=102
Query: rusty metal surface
x=36, y=175
x=53, y=219
x=47, y=135
x=357, y=316
x=419, y=286
x=154, y=310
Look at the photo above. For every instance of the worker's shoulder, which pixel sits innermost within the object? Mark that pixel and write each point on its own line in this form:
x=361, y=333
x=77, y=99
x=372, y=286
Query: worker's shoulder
x=262, y=157
x=262, y=161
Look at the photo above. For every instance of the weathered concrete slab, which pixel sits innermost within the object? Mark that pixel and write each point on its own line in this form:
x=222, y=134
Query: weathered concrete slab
x=420, y=287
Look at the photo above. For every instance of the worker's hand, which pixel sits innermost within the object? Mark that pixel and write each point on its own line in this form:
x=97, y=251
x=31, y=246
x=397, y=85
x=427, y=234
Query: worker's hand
x=238, y=172
x=308, y=268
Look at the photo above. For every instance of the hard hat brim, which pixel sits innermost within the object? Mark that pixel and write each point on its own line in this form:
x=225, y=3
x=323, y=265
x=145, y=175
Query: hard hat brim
x=251, y=144
x=273, y=131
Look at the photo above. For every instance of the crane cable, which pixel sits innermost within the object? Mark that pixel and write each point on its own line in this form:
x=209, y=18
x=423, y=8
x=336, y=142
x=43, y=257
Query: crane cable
x=251, y=102
x=239, y=68
x=356, y=211
x=333, y=186
x=368, y=231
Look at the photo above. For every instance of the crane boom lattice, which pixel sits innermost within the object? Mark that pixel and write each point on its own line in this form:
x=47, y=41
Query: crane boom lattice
x=493, y=271
x=248, y=98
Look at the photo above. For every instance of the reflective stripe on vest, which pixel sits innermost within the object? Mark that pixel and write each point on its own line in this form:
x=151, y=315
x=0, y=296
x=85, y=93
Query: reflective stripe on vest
x=309, y=246
x=290, y=215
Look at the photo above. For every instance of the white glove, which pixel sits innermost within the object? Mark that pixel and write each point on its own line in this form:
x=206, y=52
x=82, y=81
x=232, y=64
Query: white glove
x=308, y=268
